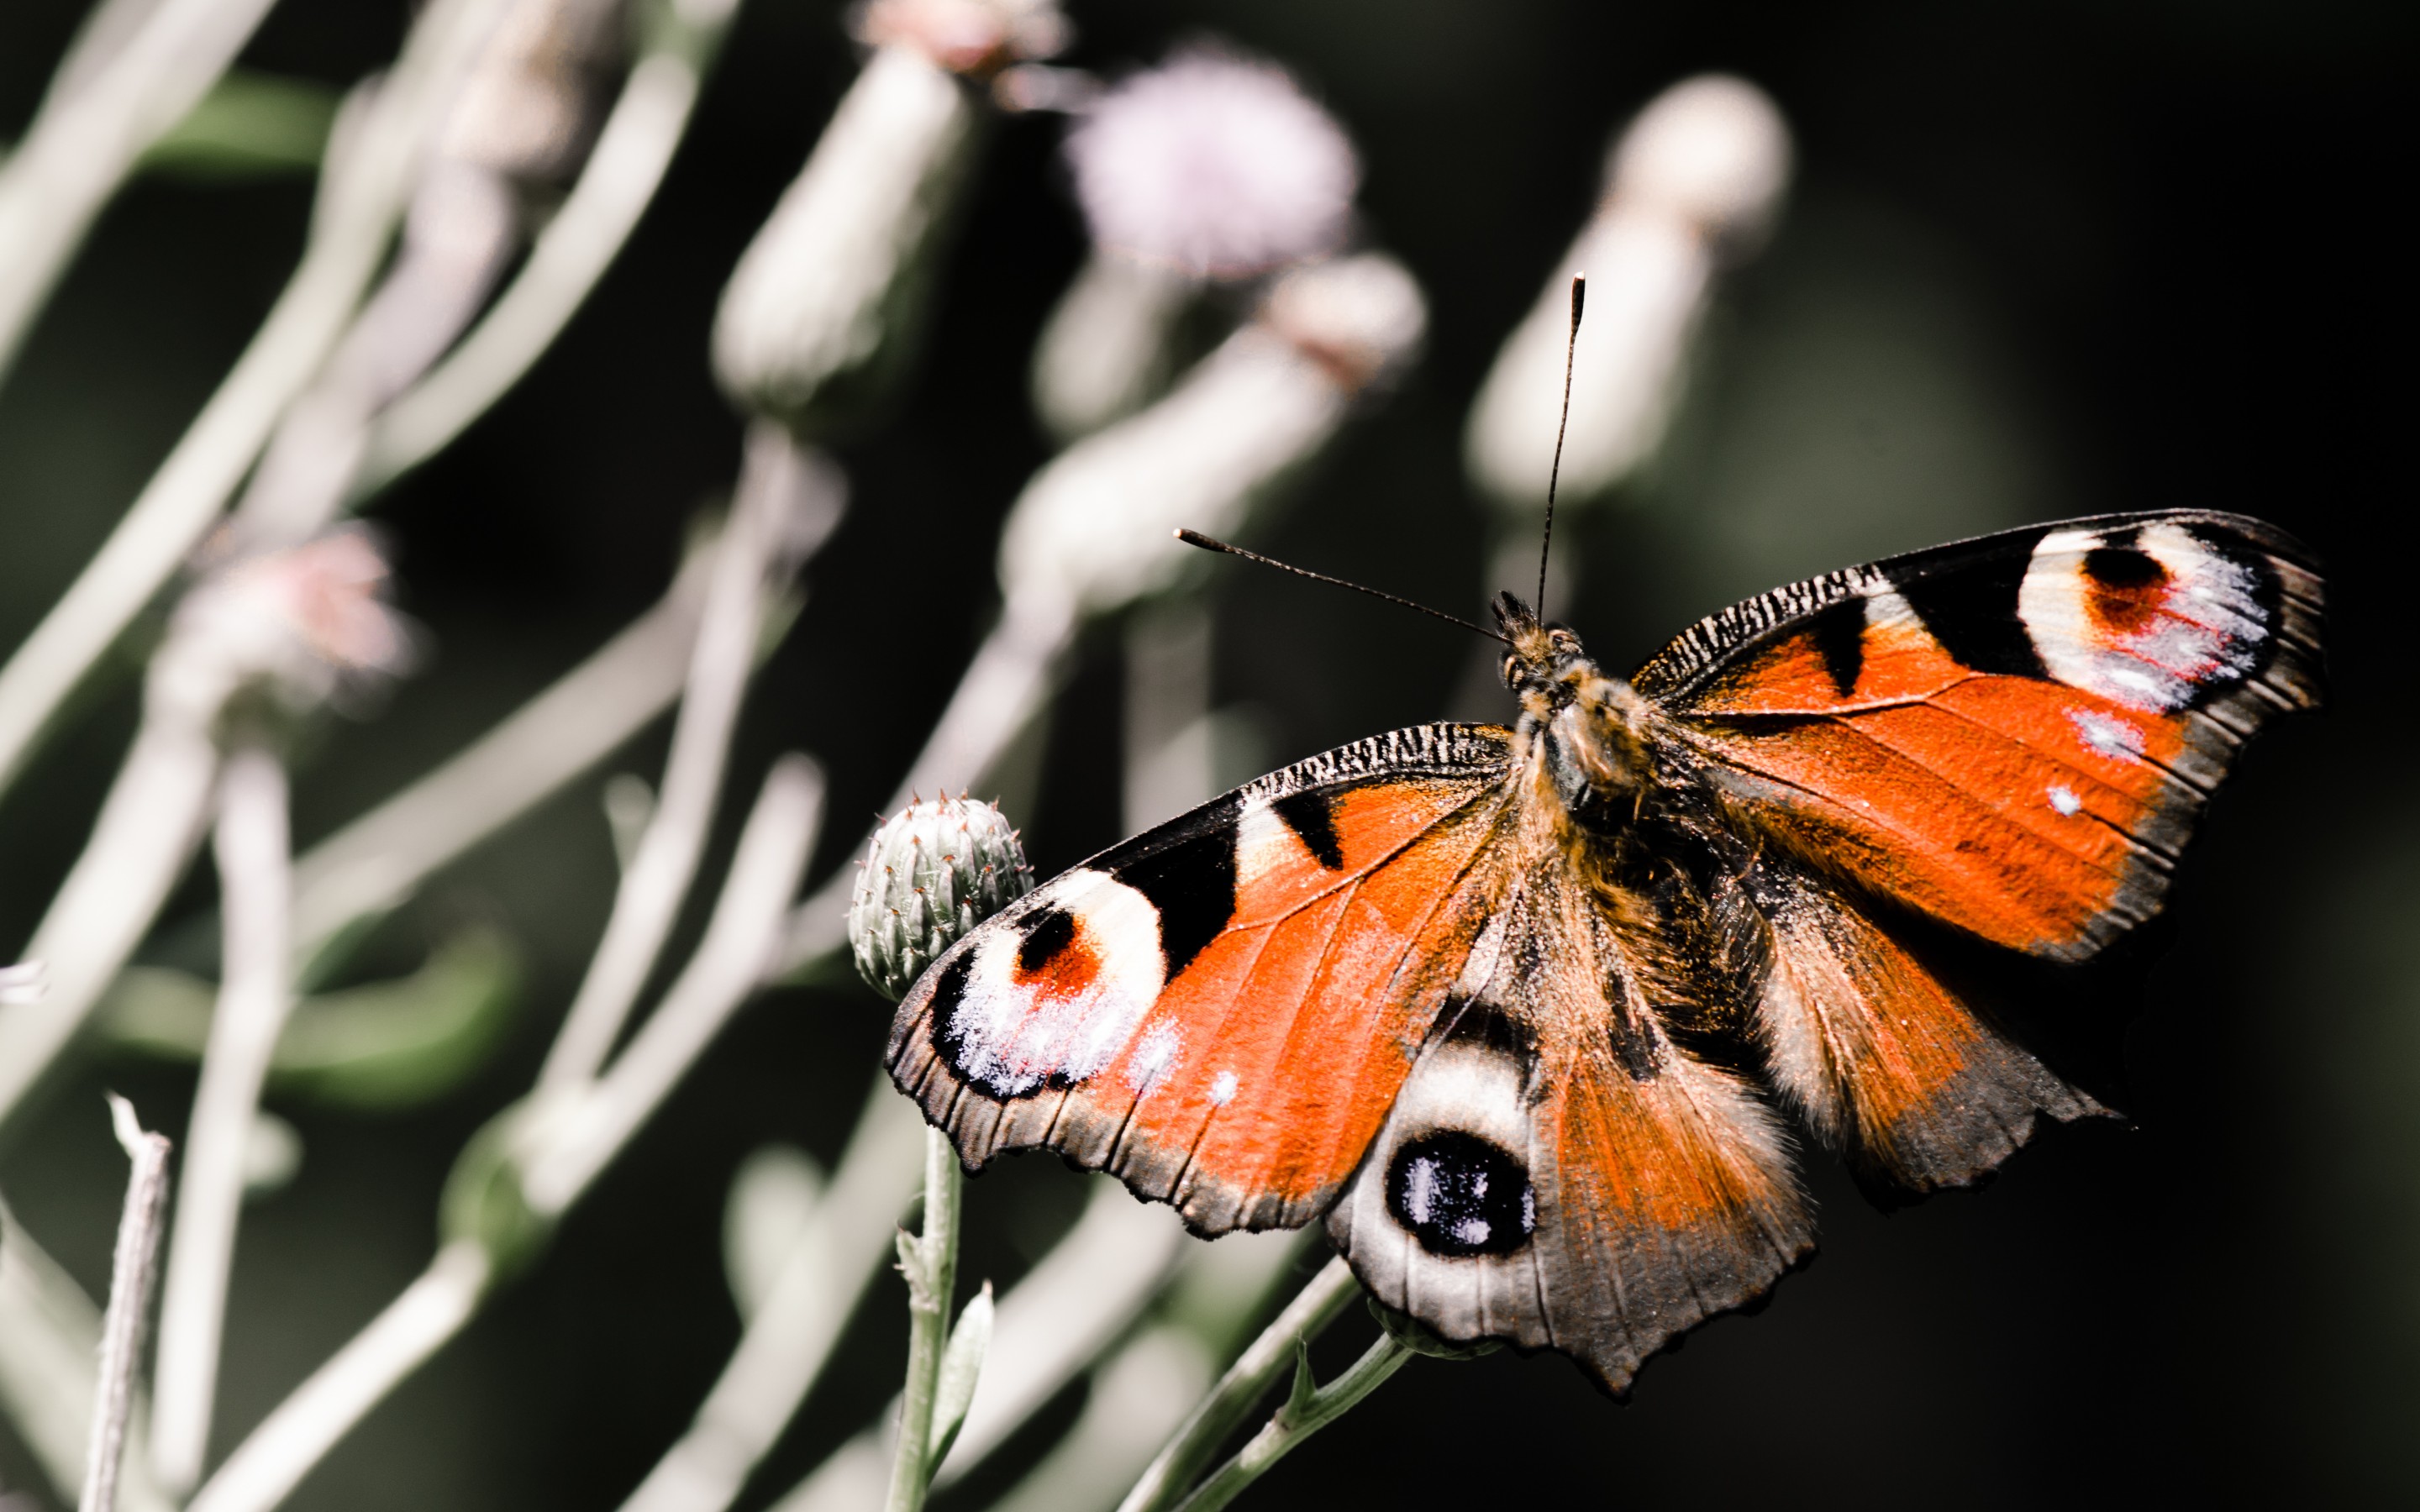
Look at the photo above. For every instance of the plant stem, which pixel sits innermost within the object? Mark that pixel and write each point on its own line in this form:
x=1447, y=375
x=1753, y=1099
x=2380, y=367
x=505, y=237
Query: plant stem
x=362, y=192
x=270, y=1463
x=115, y=95
x=779, y=484
x=1306, y=1410
x=579, y=242
x=725, y=971
x=793, y=1330
x=148, y=828
x=931, y=1265
x=255, y=893
x=131, y=1274
x=1304, y=1319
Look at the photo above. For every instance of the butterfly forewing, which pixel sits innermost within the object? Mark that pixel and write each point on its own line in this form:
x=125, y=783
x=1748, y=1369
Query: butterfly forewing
x=2013, y=734
x=1221, y=1011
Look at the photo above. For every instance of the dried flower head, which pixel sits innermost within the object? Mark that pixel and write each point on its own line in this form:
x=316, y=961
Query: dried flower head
x=305, y=624
x=1214, y=164
x=931, y=873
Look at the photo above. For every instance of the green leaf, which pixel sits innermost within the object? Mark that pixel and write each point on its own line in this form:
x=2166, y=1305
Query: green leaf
x=382, y=1045
x=250, y=126
x=962, y=1363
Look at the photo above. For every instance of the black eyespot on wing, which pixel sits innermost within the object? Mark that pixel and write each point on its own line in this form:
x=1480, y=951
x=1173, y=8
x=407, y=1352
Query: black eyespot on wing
x=1312, y=818
x=1460, y=1195
x=2123, y=568
x=1048, y=932
x=1972, y=609
x=1839, y=635
x=1192, y=885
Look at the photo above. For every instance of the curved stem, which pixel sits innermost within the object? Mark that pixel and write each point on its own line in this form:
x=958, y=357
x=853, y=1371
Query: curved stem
x=1309, y=1409
x=580, y=243
x=1304, y=1319
x=362, y=193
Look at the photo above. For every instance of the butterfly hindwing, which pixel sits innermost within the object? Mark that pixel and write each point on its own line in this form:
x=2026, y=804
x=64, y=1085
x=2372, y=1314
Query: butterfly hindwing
x=2013, y=734
x=1221, y=1011
x=1559, y=1171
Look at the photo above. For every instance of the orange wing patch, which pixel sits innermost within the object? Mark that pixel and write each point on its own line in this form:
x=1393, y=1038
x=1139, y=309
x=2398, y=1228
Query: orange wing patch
x=1884, y=1062
x=1244, y=990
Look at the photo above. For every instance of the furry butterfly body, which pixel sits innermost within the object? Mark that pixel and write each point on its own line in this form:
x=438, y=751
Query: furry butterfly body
x=1523, y=1013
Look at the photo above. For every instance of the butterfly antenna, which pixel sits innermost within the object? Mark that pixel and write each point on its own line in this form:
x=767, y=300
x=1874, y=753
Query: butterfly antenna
x=1209, y=543
x=1554, y=474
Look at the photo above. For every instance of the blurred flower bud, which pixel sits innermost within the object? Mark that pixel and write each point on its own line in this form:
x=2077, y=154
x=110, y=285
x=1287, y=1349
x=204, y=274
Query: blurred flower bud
x=1212, y=167
x=1090, y=532
x=825, y=307
x=1695, y=180
x=931, y=873
x=303, y=625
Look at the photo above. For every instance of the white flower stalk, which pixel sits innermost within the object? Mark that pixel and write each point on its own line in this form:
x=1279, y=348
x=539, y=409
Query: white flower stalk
x=295, y=627
x=634, y=150
x=370, y=168
x=521, y=117
x=1692, y=184
x=1091, y=531
x=254, y=993
x=823, y=309
x=833, y=1252
x=25, y=982
x=786, y=502
x=135, y=72
x=1213, y=167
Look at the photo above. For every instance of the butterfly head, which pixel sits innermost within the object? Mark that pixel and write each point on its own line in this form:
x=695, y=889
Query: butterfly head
x=1588, y=730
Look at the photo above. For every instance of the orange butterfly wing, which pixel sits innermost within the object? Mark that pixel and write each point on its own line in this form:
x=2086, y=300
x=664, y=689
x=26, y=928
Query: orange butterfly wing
x=1220, y=1011
x=2013, y=734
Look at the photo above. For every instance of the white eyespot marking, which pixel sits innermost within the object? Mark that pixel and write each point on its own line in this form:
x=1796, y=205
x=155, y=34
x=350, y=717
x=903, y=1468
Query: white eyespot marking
x=1057, y=1000
x=2149, y=618
x=1159, y=1051
x=2065, y=800
x=2107, y=733
x=1223, y=1089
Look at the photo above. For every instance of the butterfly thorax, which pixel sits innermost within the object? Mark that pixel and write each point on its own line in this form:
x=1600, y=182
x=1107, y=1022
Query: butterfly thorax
x=1585, y=734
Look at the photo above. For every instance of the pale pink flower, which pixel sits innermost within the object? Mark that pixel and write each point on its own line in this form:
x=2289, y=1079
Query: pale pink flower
x=1216, y=165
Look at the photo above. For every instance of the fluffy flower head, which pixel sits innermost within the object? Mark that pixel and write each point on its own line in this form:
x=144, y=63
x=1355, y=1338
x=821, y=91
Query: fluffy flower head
x=1216, y=165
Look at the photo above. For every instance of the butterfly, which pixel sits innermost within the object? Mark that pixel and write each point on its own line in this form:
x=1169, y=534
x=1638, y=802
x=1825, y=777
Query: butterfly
x=1524, y=1015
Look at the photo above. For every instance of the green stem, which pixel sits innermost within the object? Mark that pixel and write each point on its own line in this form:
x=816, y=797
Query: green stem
x=1304, y=1319
x=1309, y=1409
x=931, y=1265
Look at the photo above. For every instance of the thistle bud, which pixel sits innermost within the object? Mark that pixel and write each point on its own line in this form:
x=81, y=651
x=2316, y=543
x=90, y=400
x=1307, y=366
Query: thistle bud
x=931, y=874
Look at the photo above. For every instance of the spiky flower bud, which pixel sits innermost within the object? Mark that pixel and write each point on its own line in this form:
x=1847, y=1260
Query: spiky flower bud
x=931, y=873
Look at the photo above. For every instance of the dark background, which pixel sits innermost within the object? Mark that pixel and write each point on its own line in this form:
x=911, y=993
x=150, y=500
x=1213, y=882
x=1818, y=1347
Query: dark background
x=2040, y=262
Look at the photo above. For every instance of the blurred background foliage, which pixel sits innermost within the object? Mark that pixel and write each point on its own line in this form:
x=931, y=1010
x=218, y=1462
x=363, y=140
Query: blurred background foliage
x=2038, y=261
